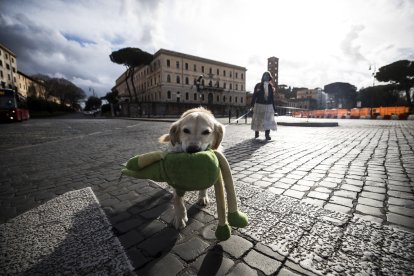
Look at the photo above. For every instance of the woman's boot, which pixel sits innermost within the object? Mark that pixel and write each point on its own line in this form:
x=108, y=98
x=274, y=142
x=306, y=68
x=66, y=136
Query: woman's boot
x=267, y=134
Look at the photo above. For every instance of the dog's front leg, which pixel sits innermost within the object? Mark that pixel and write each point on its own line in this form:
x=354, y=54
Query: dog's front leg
x=180, y=216
x=203, y=199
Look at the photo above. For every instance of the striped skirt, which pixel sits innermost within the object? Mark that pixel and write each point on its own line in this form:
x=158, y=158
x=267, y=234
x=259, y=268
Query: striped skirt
x=263, y=117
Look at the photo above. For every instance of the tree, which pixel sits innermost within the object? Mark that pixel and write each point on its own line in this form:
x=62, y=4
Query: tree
x=131, y=58
x=380, y=95
x=112, y=98
x=93, y=103
x=343, y=93
x=400, y=73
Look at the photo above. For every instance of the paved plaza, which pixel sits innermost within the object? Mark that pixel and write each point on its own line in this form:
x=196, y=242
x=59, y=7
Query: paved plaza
x=320, y=200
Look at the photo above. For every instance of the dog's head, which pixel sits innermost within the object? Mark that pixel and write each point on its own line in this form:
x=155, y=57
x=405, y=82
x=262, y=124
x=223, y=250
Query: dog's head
x=196, y=130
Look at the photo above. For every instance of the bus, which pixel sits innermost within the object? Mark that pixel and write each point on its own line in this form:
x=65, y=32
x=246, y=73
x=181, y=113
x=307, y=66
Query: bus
x=13, y=106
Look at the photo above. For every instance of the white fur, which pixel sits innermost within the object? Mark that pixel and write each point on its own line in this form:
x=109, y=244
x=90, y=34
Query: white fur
x=196, y=130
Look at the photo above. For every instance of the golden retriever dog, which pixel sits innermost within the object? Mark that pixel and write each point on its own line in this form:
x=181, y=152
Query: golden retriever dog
x=196, y=130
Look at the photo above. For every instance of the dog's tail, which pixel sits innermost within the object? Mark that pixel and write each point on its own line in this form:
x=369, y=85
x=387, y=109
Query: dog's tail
x=164, y=139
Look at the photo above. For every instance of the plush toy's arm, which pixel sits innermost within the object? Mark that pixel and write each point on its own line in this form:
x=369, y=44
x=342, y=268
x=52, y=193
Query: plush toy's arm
x=141, y=161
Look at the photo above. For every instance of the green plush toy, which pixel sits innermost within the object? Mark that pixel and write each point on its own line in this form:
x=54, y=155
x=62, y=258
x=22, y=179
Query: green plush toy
x=193, y=172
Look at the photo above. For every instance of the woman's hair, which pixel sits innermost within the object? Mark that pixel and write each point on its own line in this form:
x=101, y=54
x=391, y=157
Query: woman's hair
x=268, y=73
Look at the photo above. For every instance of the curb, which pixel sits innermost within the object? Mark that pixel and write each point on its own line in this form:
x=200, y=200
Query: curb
x=308, y=124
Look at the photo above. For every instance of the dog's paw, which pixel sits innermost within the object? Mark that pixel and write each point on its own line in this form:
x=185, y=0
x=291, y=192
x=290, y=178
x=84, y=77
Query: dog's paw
x=203, y=201
x=179, y=222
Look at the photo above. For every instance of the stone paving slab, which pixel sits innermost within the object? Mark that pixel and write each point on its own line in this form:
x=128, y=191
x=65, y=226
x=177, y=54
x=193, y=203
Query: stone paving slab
x=314, y=239
x=67, y=235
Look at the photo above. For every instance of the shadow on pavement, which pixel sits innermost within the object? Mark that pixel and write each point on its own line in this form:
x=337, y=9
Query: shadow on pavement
x=212, y=261
x=244, y=150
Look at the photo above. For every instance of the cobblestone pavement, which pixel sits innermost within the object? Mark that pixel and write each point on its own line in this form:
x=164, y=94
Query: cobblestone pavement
x=320, y=200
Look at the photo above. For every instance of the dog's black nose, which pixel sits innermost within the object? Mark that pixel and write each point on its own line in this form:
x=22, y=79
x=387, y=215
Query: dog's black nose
x=193, y=149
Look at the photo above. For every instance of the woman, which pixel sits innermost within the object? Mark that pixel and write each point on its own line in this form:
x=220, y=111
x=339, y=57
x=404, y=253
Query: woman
x=263, y=107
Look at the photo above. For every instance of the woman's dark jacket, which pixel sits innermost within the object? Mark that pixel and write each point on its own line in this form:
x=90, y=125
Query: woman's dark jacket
x=259, y=97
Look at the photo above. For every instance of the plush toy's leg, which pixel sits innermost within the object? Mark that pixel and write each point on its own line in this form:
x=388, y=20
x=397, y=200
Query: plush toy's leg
x=223, y=230
x=180, y=217
x=235, y=217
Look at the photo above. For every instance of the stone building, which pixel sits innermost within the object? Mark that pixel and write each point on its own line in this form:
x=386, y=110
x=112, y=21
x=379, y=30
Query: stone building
x=174, y=82
x=8, y=68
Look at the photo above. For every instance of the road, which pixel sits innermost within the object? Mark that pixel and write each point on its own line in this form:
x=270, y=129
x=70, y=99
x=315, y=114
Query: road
x=318, y=186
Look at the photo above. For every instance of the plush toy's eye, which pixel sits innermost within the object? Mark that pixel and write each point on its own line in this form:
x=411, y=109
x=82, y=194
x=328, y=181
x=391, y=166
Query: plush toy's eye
x=186, y=130
x=206, y=132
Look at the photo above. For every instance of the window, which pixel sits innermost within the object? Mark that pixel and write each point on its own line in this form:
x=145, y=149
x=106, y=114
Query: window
x=224, y=72
x=241, y=75
x=230, y=75
x=177, y=64
x=169, y=94
x=231, y=86
x=237, y=86
x=218, y=72
x=1, y=63
x=210, y=70
x=195, y=68
x=195, y=96
x=186, y=96
x=241, y=87
x=202, y=69
x=186, y=66
x=178, y=79
x=187, y=81
x=168, y=63
x=218, y=98
x=235, y=99
x=230, y=99
x=1, y=73
x=224, y=99
x=224, y=85
x=237, y=75
x=168, y=78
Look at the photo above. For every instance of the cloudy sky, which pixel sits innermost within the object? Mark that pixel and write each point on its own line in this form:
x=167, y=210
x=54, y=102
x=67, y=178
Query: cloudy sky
x=317, y=42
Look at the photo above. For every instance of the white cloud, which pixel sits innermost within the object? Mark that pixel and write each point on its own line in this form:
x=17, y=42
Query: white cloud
x=317, y=42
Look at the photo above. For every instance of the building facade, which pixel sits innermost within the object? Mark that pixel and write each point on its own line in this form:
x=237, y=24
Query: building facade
x=30, y=87
x=177, y=78
x=8, y=68
x=309, y=99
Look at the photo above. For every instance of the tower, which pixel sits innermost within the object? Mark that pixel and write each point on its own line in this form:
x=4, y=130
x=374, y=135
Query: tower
x=273, y=68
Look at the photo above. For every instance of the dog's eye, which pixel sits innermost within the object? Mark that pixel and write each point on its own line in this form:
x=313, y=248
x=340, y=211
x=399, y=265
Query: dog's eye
x=206, y=132
x=186, y=130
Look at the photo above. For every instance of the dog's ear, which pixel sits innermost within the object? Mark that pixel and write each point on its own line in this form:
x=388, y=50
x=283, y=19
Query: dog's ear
x=164, y=139
x=218, y=135
x=175, y=133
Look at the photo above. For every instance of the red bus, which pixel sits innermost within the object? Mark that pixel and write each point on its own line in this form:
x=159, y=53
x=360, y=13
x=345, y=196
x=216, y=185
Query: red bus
x=13, y=106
